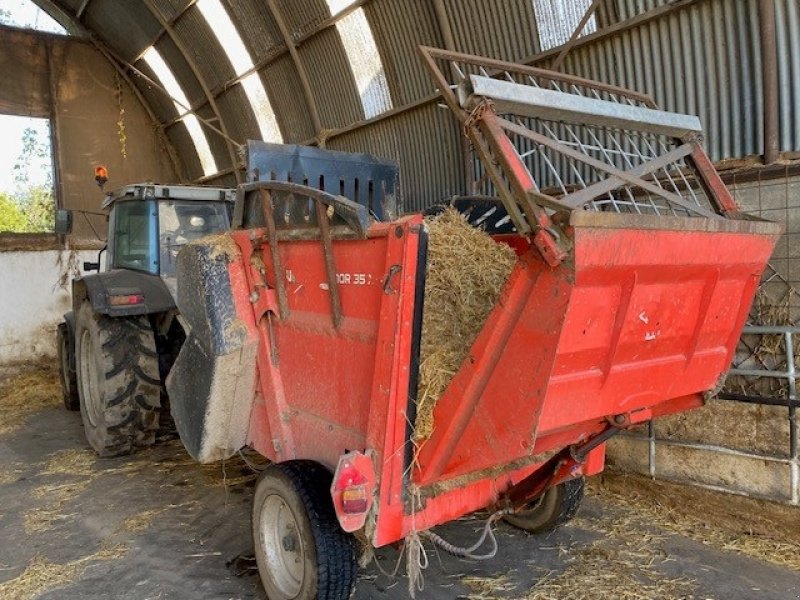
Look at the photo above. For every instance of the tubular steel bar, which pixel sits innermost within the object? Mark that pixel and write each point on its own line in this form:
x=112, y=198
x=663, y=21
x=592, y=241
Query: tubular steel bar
x=330, y=265
x=769, y=72
x=277, y=263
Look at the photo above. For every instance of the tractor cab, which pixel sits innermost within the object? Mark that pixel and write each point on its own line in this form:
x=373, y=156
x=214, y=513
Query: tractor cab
x=149, y=224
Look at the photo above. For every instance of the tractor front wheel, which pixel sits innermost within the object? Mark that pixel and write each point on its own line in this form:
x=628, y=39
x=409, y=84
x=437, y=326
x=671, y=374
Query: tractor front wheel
x=301, y=551
x=118, y=381
x=555, y=507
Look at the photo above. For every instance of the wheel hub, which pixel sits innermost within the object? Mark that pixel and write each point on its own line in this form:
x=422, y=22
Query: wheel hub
x=283, y=548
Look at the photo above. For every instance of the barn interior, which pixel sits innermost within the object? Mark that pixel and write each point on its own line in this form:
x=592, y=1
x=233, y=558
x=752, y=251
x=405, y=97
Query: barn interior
x=98, y=95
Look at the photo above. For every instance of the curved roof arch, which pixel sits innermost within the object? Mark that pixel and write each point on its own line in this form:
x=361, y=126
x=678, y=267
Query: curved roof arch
x=346, y=73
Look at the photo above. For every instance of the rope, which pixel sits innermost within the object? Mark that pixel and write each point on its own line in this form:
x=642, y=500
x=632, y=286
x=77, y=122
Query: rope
x=417, y=557
x=477, y=114
x=469, y=553
x=253, y=467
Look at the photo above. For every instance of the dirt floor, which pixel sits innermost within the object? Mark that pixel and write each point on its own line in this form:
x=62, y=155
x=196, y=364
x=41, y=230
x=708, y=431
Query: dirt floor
x=158, y=526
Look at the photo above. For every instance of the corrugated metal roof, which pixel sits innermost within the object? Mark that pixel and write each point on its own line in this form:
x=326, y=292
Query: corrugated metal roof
x=286, y=94
x=180, y=68
x=178, y=136
x=258, y=29
x=127, y=27
x=303, y=15
x=502, y=29
x=399, y=27
x=170, y=8
x=162, y=106
x=206, y=53
x=700, y=56
x=242, y=124
x=215, y=140
x=332, y=81
x=430, y=172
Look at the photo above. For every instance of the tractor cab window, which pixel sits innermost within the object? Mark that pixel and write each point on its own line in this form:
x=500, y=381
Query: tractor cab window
x=134, y=244
x=181, y=222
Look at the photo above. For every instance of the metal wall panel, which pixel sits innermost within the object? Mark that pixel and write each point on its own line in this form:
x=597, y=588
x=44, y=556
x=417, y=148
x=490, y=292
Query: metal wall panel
x=208, y=56
x=787, y=16
x=259, y=31
x=504, y=29
x=425, y=142
x=288, y=101
x=703, y=59
x=399, y=26
x=331, y=80
x=239, y=119
x=128, y=27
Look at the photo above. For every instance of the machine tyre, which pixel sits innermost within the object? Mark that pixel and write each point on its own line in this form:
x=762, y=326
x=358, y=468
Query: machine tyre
x=118, y=381
x=557, y=506
x=301, y=551
x=66, y=363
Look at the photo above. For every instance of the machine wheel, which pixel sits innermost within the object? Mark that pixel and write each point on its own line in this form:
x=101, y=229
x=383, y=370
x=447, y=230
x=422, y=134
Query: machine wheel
x=66, y=361
x=118, y=383
x=301, y=551
x=554, y=508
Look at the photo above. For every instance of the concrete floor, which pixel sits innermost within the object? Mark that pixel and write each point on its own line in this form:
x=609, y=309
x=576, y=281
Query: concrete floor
x=157, y=526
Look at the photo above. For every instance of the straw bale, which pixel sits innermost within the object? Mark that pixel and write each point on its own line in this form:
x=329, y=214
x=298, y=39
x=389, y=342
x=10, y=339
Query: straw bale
x=466, y=272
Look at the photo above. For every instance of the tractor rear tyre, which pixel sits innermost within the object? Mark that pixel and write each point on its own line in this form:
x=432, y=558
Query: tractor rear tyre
x=118, y=381
x=557, y=506
x=66, y=363
x=301, y=551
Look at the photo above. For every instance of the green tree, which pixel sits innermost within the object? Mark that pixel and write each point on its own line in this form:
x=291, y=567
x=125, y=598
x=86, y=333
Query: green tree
x=34, y=201
x=12, y=219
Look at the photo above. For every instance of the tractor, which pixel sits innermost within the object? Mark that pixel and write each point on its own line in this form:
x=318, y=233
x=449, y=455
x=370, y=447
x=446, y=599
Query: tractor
x=118, y=344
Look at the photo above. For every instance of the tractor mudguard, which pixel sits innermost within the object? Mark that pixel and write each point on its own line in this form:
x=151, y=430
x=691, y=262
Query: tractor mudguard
x=98, y=288
x=211, y=385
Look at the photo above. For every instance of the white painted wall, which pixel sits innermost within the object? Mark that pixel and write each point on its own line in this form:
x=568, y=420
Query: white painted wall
x=32, y=302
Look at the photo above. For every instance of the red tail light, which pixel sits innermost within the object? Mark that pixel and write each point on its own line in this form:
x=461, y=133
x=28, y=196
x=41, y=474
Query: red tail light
x=126, y=299
x=352, y=484
x=353, y=490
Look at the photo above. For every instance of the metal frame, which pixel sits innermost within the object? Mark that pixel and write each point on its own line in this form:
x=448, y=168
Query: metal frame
x=790, y=375
x=553, y=142
x=326, y=206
